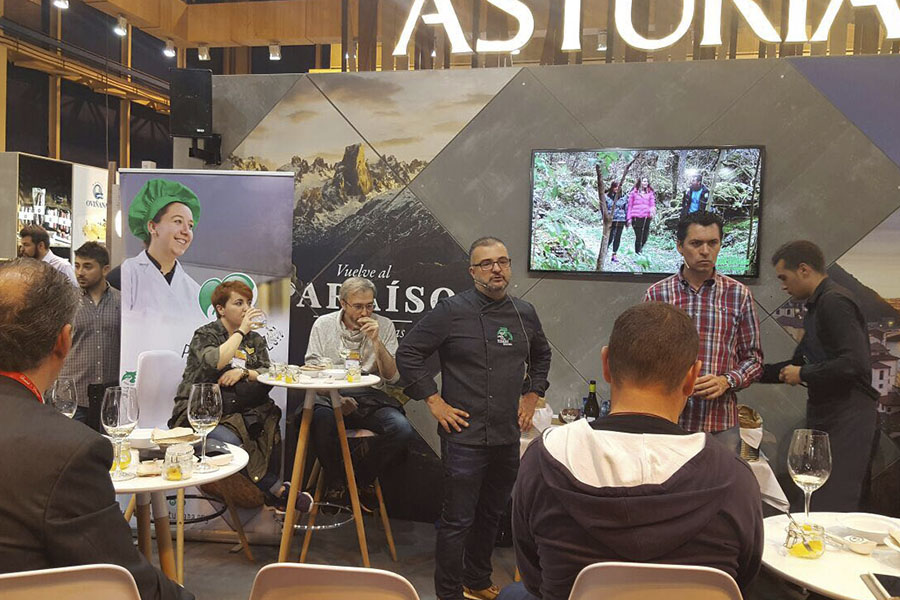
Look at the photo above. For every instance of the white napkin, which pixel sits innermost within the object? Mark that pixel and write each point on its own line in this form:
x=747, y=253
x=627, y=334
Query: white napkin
x=753, y=437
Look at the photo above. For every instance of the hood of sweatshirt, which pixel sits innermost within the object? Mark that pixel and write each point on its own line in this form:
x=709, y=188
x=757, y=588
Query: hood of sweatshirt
x=641, y=494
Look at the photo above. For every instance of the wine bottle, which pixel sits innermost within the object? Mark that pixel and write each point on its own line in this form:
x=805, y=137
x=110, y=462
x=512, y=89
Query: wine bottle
x=592, y=408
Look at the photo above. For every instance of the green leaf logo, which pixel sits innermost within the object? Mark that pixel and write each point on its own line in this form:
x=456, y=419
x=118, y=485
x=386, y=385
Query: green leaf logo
x=209, y=286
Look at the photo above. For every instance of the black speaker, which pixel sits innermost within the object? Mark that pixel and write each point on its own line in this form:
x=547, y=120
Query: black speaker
x=190, y=94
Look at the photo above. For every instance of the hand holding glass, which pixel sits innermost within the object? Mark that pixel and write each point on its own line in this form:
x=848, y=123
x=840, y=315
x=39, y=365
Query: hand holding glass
x=809, y=461
x=204, y=412
x=62, y=396
x=119, y=415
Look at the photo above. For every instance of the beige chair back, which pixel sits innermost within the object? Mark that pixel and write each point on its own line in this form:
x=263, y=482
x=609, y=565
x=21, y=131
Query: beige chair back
x=318, y=582
x=642, y=581
x=97, y=582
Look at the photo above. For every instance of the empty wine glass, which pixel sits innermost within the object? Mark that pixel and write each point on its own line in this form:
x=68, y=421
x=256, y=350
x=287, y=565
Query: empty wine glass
x=119, y=415
x=572, y=411
x=809, y=461
x=62, y=396
x=204, y=412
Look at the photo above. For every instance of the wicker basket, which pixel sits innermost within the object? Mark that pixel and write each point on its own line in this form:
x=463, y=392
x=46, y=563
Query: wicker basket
x=749, y=419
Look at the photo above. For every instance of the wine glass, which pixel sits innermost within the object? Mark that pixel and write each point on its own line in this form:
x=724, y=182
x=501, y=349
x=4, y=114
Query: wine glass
x=204, y=412
x=572, y=412
x=62, y=396
x=809, y=461
x=258, y=321
x=119, y=415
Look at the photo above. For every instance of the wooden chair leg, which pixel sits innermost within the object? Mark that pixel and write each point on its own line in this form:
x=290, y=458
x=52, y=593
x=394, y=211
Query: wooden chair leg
x=238, y=526
x=129, y=510
x=385, y=521
x=320, y=489
x=179, y=536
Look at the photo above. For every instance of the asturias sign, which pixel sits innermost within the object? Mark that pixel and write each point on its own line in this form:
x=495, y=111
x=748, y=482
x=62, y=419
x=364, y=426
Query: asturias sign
x=888, y=11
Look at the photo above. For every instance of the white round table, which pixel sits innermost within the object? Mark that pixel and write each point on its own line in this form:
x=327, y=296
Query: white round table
x=836, y=573
x=329, y=386
x=150, y=491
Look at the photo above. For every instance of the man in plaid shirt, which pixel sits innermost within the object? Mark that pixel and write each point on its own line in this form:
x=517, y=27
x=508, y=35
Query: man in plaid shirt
x=725, y=316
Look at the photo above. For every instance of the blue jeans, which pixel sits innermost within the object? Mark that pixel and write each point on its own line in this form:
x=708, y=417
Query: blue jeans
x=515, y=591
x=394, y=434
x=224, y=434
x=478, y=481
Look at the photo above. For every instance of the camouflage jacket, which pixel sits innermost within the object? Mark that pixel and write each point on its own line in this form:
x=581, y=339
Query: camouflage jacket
x=201, y=368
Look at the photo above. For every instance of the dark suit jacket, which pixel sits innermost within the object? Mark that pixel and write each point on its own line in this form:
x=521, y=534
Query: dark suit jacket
x=57, y=503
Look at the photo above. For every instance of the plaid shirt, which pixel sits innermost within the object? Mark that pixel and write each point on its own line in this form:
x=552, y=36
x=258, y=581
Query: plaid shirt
x=725, y=315
x=94, y=357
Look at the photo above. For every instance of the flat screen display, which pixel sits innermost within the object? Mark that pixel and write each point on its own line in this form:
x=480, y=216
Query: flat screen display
x=645, y=191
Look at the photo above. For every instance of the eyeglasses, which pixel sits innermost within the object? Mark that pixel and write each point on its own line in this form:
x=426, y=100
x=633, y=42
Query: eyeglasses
x=488, y=264
x=360, y=307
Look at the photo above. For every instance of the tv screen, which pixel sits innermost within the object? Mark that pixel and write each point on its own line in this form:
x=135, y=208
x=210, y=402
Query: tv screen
x=645, y=192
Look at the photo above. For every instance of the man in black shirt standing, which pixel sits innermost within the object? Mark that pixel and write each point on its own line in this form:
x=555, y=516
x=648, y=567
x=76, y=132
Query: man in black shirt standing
x=494, y=364
x=833, y=362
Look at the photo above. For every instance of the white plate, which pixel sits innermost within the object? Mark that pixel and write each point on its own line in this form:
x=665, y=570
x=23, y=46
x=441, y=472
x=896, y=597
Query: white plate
x=140, y=439
x=871, y=527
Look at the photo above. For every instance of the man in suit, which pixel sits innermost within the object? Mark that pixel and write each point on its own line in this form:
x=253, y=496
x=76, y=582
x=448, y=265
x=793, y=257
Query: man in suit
x=57, y=503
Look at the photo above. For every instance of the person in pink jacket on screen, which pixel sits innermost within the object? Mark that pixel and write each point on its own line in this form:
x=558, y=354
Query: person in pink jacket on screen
x=641, y=210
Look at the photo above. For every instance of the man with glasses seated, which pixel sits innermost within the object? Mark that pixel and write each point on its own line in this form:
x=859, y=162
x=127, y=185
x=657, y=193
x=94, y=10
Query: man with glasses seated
x=356, y=328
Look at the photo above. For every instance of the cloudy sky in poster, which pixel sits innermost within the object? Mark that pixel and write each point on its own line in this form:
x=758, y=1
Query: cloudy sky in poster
x=875, y=260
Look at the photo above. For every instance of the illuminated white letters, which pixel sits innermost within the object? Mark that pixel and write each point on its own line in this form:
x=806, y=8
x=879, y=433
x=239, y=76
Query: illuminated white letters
x=886, y=9
x=625, y=27
x=571, y=26
x=520, y=13
x=445, y=16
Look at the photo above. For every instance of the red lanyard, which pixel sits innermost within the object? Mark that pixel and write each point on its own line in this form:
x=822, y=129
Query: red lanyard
x=21, y=378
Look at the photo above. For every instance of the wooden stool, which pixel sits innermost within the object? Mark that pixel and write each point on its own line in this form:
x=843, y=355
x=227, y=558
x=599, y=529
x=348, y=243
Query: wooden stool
x=317, y=476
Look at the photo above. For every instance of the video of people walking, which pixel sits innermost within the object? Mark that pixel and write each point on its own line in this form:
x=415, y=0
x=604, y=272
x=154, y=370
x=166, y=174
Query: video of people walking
x=615, y=210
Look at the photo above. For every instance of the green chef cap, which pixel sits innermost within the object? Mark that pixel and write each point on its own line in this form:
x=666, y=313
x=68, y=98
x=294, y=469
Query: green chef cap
x=153, y=197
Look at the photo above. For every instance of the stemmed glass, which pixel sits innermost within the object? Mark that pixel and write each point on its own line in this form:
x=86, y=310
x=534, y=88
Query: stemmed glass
x=119, y=415
x=572, y=412
x=62, y=396
x=809, y=461
x=204, y=412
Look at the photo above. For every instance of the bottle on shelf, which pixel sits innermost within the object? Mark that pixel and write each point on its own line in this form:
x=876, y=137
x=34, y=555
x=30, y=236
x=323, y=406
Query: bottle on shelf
x=592, y=407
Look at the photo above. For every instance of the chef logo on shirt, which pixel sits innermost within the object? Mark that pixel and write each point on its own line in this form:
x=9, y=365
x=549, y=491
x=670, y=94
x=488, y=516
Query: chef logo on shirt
x=504, y=337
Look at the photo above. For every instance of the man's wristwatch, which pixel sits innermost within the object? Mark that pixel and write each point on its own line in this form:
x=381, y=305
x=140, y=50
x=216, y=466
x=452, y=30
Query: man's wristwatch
x=244, y=373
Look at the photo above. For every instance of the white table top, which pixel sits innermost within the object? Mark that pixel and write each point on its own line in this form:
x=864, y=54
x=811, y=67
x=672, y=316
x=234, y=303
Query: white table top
x=156, y=483
x=319, y=383
x=836, y=573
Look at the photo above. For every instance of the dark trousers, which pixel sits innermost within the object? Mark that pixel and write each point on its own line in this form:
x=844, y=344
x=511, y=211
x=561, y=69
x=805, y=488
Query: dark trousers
x=615, y=235
x=394, y=434
x=850, y=425
x=641, y=232
x=478, y=481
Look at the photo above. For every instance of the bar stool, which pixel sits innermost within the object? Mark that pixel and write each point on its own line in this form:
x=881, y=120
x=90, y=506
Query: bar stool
x=317, y=475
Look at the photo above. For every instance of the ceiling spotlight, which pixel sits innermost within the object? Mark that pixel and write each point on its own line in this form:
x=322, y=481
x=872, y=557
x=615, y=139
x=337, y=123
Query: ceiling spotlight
x=203, y=52
x=601, y=41
x=121, y=28
x=274, y=52
x=169, y=50
x=63, y=4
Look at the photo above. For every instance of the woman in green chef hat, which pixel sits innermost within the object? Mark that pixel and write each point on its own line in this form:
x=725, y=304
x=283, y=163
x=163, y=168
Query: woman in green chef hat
x=163, y=215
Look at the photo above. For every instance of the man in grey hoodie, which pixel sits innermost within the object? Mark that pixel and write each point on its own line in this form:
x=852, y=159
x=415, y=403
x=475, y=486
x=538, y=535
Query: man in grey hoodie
x=634, y=486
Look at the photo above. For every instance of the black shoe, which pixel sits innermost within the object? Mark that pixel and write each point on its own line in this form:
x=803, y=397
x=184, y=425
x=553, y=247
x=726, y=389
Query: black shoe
x=368, y=499
x=334, y=501
x=302, y=505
